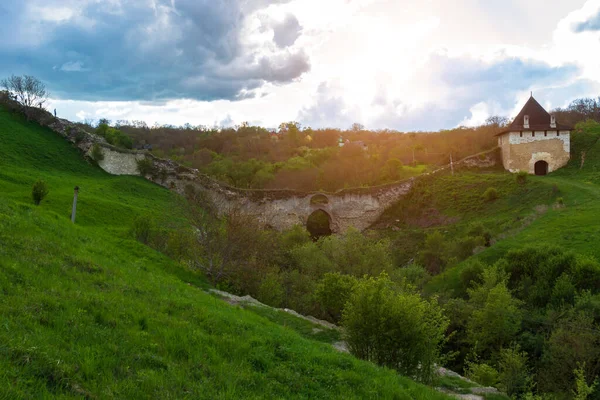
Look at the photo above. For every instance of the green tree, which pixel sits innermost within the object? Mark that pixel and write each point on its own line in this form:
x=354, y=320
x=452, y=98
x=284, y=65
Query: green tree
x=434, y=254
x=332, y=293
x=496, y=317
x=515, y=376
x=393, y=328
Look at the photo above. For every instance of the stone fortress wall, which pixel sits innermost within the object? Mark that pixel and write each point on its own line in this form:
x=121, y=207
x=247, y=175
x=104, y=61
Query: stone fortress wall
x=279, y=209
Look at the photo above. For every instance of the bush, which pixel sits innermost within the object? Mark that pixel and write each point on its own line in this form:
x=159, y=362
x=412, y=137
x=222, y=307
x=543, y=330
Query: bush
x=483, y=373
x=332, y=293
x=491, y=194
x=97, y=153
x=395, y=329
x=79, y=136
x=521, y=177
x=560, y=202
x=39, y=191
x=142, y=229
x=146, y=166
x=271, y=290
x=514, y=377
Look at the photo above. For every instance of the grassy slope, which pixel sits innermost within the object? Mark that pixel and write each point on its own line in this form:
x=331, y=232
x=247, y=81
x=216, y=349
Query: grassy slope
x=87, y=312
x=576, y=226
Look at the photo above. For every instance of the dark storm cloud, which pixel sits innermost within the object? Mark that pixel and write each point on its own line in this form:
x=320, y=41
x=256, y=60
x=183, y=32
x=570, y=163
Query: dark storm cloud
x=131, y=50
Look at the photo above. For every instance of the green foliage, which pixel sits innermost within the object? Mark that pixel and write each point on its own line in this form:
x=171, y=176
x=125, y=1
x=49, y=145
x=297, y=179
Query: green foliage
x=39, y=191
x=146, y=166
x=143, y=228
x=114, y=136
x=271, y=290
x=521, y=177
x=515, y=376
x=412, y=274
x=490, y=194
x=496, y=316
x=434, y=254
x=332, y=293
x=399, y=330
x=89, y=312
x=97, y=153
x=482, y=373
x=582, y=389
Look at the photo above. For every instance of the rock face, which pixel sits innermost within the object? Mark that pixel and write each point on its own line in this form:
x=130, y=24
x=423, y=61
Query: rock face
x=278, y=209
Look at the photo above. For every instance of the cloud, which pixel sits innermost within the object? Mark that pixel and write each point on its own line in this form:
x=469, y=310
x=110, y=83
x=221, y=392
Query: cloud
x=73, y=66
x=461, y=90
x=286, y=33
x=592, y=24
x=147, y=50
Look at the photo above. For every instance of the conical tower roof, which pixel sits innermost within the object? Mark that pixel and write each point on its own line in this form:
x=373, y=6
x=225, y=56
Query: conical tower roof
x=539, y=119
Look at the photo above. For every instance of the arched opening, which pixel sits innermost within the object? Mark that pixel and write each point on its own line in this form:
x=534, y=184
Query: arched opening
x=541, y=168
x=319, y=199
x=319, y=224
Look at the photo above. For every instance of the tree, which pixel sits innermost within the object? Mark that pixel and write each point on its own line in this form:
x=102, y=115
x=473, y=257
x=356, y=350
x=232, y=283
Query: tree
x=496, y=318
x=396, y=329
x=27, y=89
x=356, y=127
x=333, y=292
x=515, y=376
x=497, y=121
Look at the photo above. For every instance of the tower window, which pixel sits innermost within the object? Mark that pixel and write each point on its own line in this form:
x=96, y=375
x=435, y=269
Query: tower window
x=521, y=134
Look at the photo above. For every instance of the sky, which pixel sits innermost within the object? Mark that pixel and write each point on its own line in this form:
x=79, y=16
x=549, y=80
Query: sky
x=387, y=64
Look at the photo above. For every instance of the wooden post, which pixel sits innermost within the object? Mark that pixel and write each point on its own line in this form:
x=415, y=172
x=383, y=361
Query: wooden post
x=451, y=164
x=74, y=204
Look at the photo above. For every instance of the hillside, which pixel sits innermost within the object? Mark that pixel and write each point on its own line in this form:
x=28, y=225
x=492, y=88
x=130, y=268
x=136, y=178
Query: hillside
x=87, y=312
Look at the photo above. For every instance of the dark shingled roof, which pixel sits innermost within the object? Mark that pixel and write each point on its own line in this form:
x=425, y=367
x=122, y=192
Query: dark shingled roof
x=539, y=119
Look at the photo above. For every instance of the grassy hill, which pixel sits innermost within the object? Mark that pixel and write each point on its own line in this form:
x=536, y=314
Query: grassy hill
x=561, y=209
x=87, y=312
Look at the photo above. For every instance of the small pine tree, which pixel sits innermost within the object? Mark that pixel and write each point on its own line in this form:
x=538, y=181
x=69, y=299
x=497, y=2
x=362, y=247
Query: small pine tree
x=39, y=191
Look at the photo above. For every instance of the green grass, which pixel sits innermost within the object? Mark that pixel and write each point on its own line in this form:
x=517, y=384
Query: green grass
x=305, y=328
x=87, y=312
x=455, y=384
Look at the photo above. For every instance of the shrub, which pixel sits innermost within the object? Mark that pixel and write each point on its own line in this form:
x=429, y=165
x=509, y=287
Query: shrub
x=142, y=229
x=582, y=389
x=271, y=290
x=97, y=153
x=79, y=136
x=521, y=177
x=490, y=194
x=434, y=255
x=332, y=293
x=39, y=191
x=146, y=166
x=395, y=329
x=560, y=202
x=514, y=377
x=483, y=373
